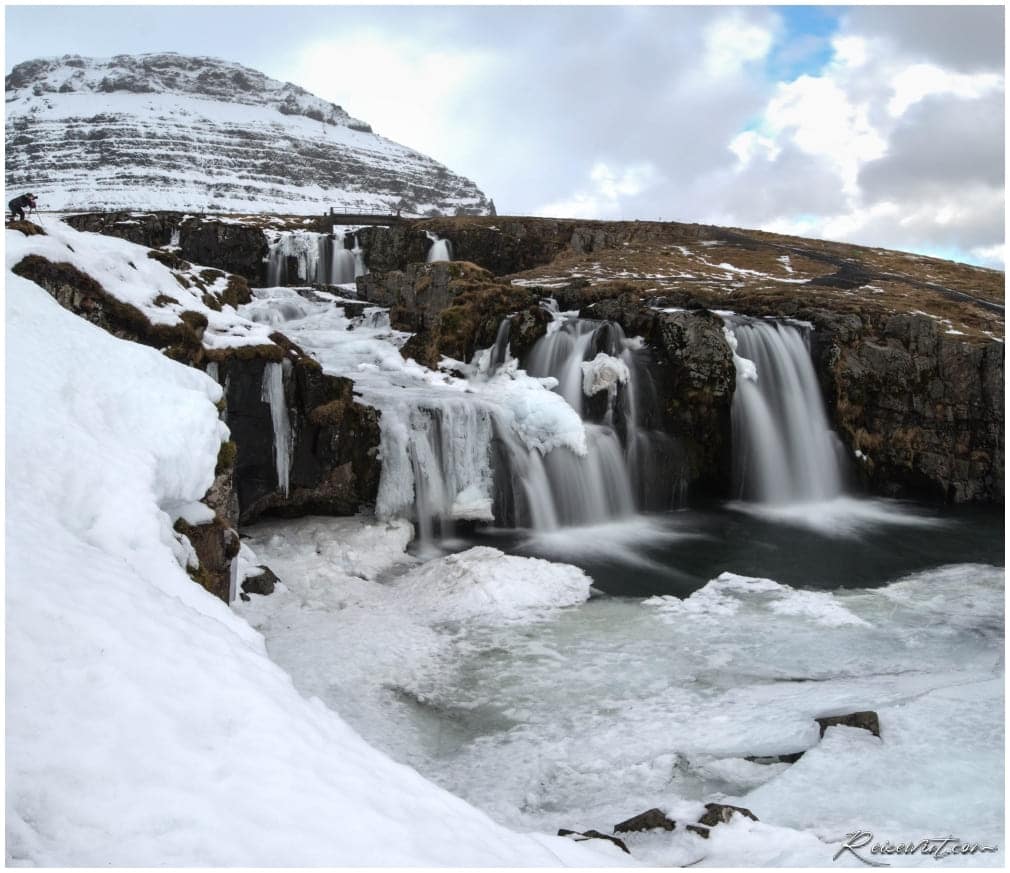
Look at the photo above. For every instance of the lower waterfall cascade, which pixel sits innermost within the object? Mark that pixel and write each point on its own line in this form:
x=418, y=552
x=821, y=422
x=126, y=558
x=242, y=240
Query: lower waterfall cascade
x=784, y=448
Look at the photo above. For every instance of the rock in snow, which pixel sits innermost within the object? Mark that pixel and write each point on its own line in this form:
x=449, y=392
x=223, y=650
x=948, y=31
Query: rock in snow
x=86, y=133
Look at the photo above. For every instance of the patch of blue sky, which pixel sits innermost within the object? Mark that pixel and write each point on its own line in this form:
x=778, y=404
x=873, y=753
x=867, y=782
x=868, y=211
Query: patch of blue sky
x=804, y=43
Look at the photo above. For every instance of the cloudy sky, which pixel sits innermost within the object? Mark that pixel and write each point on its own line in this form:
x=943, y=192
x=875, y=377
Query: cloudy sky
x=876, y=125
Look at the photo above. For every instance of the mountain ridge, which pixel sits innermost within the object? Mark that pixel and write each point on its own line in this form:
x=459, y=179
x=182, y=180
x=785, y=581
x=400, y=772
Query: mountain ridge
x=171, y=131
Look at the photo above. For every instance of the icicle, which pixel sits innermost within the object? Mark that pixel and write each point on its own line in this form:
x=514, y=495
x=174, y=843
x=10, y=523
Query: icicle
x=273, y=393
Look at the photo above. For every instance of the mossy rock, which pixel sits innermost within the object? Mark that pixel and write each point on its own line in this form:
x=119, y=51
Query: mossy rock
x=26, y=227
x=265, y=351
x=225, y=457
x=169, y=259
x=329, y=414
x=165, y=300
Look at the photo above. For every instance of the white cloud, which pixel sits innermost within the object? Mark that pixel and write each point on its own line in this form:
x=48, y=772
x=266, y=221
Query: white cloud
x=819, y=116
x=991, y=256
x=732, y=41
x=409, y=85
x=607, y=188
x=914, y=83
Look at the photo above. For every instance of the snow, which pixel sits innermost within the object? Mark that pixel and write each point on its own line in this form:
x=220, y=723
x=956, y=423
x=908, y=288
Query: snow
x=146, y=724
x=603, y=373
x=724, y=595
x=232, y=133
x=124, y=270
x=745, y=367
x=485, y=583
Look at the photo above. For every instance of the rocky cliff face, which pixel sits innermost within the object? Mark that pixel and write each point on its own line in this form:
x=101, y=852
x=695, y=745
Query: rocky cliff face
x=166, y=131
x=334, y=441
x=454, y=308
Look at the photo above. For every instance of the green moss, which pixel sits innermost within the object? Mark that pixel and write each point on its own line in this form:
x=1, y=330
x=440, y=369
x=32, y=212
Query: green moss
x=165, y=300
x=329, y=414
x=225, y=457
x=26, y=227
x=210, y=275
x=169, y=259
x=236, y=292
x=182, y=280
x=267, y=351
x=196, y=321
x=211, y=302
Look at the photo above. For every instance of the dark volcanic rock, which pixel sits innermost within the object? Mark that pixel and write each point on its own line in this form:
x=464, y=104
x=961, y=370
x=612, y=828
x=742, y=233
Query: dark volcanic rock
x=334, y=463
x=866, y=720
x=720, y=813
x=262, y=583
x=215, y=544
x=694, y=376
x=651, y=819
x=151, y=229
x=235, y=248
x=923, y=408
x=453, y=308
x=594, y=835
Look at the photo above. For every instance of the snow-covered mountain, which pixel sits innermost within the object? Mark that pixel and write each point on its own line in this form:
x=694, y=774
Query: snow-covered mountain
x=194, y=133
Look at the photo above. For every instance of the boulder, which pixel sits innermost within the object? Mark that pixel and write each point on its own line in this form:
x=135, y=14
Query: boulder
x=866, y=720
x=260, y=583
x=651, y=819
x=594, y=835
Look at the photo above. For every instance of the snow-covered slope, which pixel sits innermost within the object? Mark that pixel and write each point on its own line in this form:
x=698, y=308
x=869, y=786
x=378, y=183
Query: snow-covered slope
x=145, y=723
x=174, y=132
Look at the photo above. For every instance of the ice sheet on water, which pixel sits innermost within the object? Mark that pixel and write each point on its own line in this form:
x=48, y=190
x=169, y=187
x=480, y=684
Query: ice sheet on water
x=725, y=595
x=614, y=706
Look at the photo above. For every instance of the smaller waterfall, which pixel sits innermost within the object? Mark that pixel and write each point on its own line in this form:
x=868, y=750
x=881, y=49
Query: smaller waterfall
x=360, y=269
x=273, y=394
x=343, y=265
x=784, y=450
x=175, y=238
x=441, y=249
x=605, y=378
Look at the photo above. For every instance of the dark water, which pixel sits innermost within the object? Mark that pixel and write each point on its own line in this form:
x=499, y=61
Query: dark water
x=861, y=544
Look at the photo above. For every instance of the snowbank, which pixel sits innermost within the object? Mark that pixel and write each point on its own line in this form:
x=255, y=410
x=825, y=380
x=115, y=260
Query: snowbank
x=725, y=595
x=124, y=270
x=145, y=723
x=486, y=583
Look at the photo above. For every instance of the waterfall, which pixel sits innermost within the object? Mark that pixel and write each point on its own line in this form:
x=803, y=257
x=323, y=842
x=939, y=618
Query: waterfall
x=273, y=394
x=784, y=450
x=441, y=249
x=461, y=458
x=343, y=270
x=359, y=259
x=175, y=238
x=316, y=257
x=604, y=376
